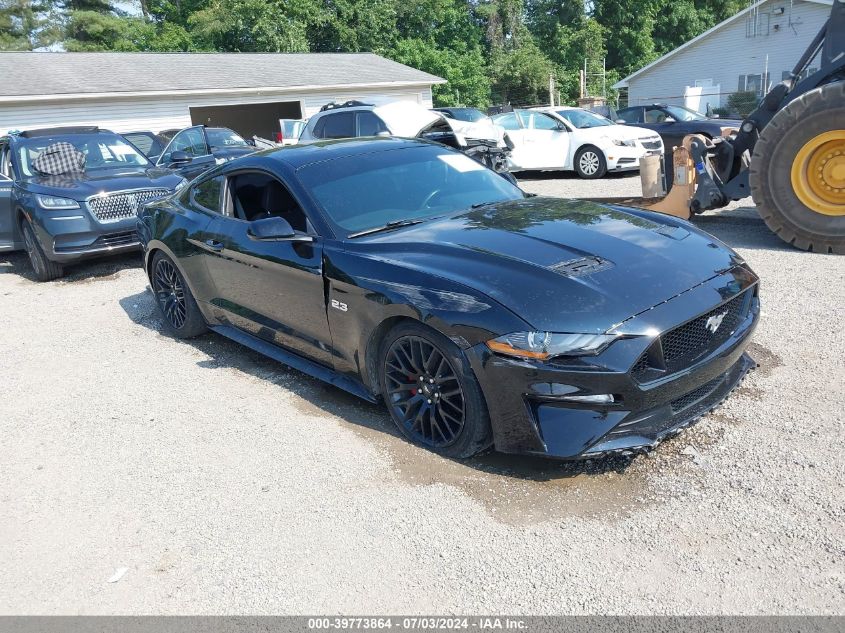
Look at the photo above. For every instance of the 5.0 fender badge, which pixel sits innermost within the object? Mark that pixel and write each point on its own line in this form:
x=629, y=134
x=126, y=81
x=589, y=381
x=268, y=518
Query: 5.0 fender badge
x=715, y=321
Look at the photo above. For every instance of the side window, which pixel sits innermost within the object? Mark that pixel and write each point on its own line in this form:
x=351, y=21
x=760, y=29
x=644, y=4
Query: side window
x=655, y=115
x=141, y=141
x=369, y=124
x=631, y=115
x=206, y=194
x=190, y=141
x=5, y=163
x=544, y=122
x=508, y=122
x=340, y=125
x=256, y=196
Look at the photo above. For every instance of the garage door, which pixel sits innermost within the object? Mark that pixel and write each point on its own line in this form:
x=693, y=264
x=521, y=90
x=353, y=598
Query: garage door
x=249, y=119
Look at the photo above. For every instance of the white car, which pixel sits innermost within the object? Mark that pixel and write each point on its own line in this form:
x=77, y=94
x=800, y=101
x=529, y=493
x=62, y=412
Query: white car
x=564, y=138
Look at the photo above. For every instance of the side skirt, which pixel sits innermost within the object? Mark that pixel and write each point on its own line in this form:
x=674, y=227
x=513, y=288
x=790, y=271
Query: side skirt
x=297, y=362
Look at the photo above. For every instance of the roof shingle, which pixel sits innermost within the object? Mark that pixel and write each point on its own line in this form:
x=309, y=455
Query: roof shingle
x=28, y=73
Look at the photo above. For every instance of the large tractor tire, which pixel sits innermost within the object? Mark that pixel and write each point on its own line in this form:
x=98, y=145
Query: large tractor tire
x=797, y=172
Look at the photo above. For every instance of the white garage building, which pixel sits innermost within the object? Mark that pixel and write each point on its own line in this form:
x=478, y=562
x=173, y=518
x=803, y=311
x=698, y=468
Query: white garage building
x=156, y=91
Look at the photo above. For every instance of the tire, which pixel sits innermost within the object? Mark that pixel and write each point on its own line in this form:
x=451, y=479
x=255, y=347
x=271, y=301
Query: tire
x=45, y=269
x=779, y=160
x=590, y=162
x=176, y=304
x=428, y=413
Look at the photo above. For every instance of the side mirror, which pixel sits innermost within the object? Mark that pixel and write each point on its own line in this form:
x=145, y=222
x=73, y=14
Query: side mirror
x=275, y=228
x=562, y=128
x=180, y=158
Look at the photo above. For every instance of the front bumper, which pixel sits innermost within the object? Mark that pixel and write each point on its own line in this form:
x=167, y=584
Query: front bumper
x=623, y=158
x=74, y=235
x=530, y=414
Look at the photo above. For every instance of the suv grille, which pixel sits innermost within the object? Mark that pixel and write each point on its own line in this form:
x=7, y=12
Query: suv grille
x=650, y=144
x=684, y=345
x=119, y=206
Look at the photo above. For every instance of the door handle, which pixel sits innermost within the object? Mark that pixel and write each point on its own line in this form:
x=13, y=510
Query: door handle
x=214, y=245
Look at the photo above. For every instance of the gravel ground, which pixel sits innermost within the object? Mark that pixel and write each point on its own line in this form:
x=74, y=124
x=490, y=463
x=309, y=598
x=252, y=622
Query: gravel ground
x=202, y=478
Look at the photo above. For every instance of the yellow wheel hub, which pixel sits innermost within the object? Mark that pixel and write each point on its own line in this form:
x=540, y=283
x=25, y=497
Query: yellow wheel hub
x=818, y=173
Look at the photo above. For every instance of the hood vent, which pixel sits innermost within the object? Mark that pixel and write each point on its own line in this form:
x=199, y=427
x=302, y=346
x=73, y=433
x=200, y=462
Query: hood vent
x=581, y=266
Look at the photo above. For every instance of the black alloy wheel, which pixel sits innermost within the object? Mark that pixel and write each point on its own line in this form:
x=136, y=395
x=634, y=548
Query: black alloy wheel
x=170, y=293
x=424, y=392
x=432, y=393
x=175, y=301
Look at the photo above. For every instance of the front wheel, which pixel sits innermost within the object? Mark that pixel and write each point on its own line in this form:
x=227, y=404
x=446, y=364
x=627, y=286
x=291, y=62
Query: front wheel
x=174, y=299
x=590, y=162
x=431, y=392
x=45, y=270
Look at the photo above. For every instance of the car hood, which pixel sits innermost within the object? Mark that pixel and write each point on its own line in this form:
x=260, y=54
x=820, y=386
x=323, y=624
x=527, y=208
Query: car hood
x=83, y=185
x=409, y=119
x=561, y=265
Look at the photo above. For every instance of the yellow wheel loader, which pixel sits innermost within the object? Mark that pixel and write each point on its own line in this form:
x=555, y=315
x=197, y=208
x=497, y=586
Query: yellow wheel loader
x=789, y=155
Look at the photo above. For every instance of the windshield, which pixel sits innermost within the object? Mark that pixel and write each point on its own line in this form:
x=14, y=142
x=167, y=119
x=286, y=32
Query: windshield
x=680, y=113
x=466, y=114
x=367, y=191
x=101, y=151
x=582, y=119
x=222, y=137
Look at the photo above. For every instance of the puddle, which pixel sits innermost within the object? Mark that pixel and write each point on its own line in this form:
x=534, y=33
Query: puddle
x=768, y=360
x=514, y=489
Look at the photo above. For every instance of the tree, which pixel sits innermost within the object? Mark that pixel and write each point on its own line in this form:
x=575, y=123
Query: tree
x=25, y=25
x=277, y=26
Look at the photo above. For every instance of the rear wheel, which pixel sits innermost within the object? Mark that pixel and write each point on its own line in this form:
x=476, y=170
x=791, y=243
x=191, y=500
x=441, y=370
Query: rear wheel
x=431, y=392
x=590, y=162
x=797, y=172
x=181, y=315
x=45, y=270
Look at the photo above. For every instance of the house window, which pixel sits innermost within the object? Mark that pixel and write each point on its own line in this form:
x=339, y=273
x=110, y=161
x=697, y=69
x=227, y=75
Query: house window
x=753, y=83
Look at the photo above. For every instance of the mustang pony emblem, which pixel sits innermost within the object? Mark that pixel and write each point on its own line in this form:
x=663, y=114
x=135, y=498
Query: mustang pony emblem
x=715, y=321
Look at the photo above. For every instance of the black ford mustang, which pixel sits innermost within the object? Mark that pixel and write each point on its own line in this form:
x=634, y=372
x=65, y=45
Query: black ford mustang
x=402, y=270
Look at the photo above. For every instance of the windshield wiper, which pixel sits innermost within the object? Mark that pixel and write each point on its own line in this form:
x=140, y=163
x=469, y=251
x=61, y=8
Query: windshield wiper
x=395, y=224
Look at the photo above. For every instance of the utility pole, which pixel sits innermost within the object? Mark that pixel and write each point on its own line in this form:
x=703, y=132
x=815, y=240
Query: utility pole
x=552, y=90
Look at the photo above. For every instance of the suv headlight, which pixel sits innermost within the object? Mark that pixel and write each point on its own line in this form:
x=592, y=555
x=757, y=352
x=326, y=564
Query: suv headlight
x=55, y=203
x=545, y=345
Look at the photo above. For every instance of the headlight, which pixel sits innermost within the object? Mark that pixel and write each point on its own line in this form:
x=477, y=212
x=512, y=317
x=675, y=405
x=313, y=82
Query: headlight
x=182, y=184
x=545, y=345
x=616, y=141
x=52, y=202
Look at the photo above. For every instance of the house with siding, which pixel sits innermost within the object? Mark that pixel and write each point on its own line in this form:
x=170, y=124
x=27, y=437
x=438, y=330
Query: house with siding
x=157, y=91
x=748, y=52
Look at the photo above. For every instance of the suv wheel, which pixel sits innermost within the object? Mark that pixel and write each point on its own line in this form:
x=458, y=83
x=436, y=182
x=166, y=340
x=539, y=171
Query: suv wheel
x=45, y=270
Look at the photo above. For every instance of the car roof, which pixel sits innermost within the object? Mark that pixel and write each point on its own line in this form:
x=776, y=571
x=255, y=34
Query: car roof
x=62, y=131
x=300, y=155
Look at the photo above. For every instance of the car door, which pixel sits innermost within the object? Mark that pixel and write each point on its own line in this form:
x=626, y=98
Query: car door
x=7, y=220
x=271, y=289
x=551, y=140
x=190, y=141
x=520, y=156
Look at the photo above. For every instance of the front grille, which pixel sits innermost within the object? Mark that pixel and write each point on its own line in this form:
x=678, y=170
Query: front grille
x=651, y=144
x=681, y=347
x=119, y=206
